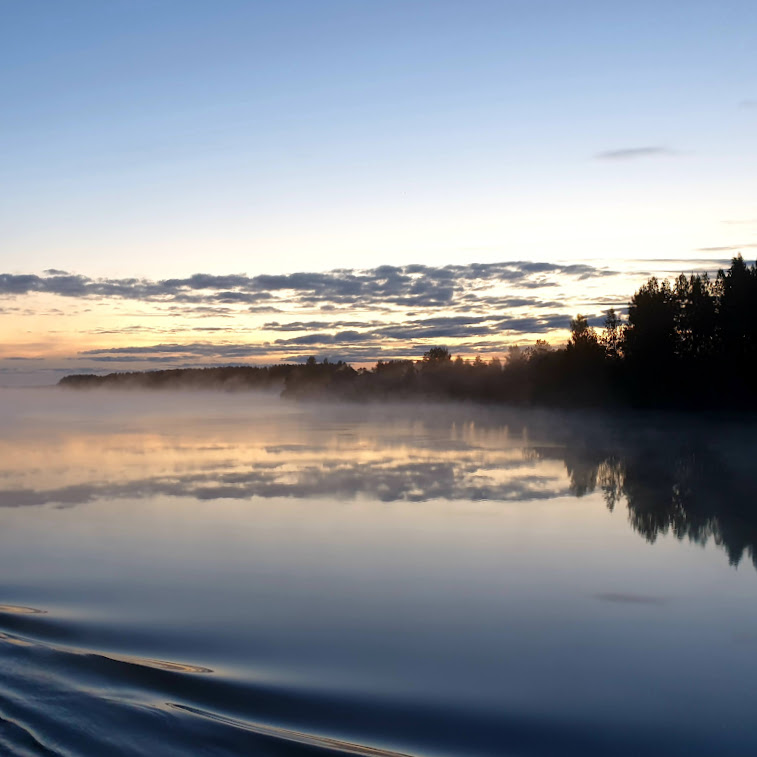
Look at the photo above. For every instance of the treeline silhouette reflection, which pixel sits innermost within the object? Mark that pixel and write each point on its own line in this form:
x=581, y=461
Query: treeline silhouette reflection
x=687, y=487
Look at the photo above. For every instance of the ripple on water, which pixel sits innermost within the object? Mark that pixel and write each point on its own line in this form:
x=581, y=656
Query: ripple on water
x=173, y=667
x=20, y=610
x=297, y=737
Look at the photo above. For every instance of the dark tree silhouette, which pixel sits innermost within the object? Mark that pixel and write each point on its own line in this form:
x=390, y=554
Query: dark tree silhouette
x=437, y=356
x=696, y=317
x=650, y=336
x=737, y=325
x=612, y=336
x=583, y=338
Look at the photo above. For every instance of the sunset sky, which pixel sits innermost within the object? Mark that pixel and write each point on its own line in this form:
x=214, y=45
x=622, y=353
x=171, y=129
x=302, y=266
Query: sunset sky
x=202, y=183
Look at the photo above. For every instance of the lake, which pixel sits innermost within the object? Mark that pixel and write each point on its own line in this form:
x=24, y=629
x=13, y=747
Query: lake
x=232, y=574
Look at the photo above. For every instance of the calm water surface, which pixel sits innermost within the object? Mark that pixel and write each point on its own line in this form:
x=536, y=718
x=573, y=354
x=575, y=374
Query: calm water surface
x=228, y=574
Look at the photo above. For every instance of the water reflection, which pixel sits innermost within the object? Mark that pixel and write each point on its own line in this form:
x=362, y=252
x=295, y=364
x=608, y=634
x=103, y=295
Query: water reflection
x=696, y=483
x=274, y=579
x=692, y=480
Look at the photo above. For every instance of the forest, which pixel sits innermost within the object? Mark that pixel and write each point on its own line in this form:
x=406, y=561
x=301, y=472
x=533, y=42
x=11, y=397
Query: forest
x=688, y=345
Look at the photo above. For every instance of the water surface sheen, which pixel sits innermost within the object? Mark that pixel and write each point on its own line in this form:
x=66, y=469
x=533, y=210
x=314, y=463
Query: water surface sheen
x=227, y=574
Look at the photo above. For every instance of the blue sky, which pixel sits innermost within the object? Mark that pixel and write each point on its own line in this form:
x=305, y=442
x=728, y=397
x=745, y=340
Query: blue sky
x=169, y=138
x=330, y=133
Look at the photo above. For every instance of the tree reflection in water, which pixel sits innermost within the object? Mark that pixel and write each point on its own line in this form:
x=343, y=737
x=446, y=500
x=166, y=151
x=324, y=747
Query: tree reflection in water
x=696, y=484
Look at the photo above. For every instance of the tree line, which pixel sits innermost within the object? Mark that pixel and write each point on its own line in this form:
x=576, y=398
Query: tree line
x=691, y=344
x=228, y=377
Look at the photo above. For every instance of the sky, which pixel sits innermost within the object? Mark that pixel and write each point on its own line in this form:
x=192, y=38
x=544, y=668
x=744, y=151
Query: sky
x=190, y=183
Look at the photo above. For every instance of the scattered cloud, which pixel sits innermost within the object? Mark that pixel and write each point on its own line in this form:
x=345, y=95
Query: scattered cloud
x=412, y=286
x=634, y=153
x=310, y=325
x=133, y=359
x=165, y=351
x=356, y=315
x=373, y=337
x=728, y=248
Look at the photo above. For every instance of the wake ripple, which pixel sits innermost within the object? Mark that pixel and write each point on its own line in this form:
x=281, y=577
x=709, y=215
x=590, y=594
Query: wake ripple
x=64, y=701
x=62, y=698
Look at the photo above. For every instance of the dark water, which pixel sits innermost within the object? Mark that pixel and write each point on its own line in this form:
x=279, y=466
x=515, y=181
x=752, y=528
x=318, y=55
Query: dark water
x=229, y=575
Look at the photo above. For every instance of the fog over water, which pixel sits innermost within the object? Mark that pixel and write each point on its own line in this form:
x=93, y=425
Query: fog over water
x=256, y=576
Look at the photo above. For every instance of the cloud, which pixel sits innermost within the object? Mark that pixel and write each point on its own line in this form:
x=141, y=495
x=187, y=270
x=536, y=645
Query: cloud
x=412, y=286
x=369, y=341
x=748, y=103
x=396, y=342
x=194, y=349
x=634, y=153
x=728, y=248
x=535, y=324
x=310, y=325
x=133, y=359
x=468, y=301
x=351, y=314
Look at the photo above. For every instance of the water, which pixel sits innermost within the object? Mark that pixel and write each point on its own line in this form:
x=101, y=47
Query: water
x=228, y=574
